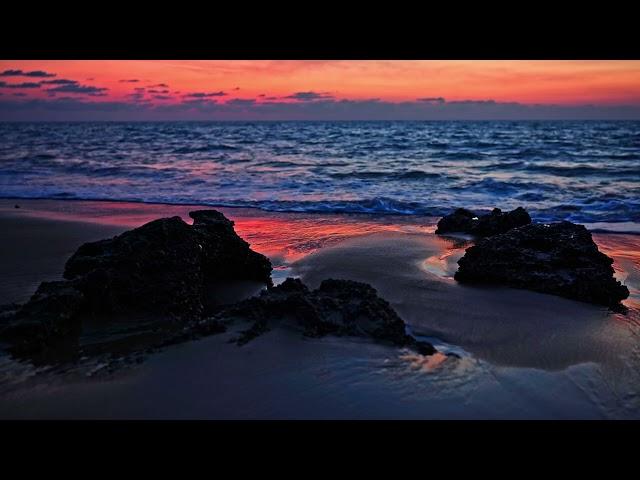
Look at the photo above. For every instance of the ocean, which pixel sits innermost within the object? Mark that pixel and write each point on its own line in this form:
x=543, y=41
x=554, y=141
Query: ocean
x=583, y=171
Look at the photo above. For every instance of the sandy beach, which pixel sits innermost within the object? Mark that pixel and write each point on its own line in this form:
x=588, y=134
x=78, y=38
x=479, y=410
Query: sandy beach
x=522, y=354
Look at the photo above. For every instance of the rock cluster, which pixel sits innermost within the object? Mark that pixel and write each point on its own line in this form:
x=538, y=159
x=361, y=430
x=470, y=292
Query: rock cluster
x=336, y=307
x=157, y=271
x=558, y=258
x=496, y=222
x=148, y=285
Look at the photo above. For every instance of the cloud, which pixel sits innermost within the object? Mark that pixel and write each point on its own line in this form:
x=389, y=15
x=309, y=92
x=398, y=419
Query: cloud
x=39, y=73
x=19, y=85
x=158, y=91
x=308, y=96
x=138, y=97
x=476, y=102
x=241, y=102
x=159, y=85
x=132, y=80
x=162, y=97
x=21, y=73
x=205, y=95
x=59, y=81
x=198, y=102
x=432, y=100
x=79, y=89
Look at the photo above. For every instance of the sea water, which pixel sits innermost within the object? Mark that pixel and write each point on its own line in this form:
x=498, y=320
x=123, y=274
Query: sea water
x=583, y=171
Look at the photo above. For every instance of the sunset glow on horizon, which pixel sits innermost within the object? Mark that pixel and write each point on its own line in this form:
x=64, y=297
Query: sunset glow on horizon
x=245, y=88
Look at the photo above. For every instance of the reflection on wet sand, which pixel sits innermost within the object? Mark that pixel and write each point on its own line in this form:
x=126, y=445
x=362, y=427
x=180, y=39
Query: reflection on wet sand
x=425, y=364
x=507, y=327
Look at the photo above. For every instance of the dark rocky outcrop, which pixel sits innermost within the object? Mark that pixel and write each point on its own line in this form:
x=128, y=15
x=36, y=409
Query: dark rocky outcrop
x=162, y=266
x=560, y=259
x=336, y=307
x=155, y=272
x=145, y=289
x=494, y=223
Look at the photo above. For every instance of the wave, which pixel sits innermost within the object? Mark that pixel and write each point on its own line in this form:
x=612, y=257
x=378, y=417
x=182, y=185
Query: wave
x=387, y=206
x=204, y=149
x=579, y=171
x=582, y=170
x=409, y=175
x=561, y=170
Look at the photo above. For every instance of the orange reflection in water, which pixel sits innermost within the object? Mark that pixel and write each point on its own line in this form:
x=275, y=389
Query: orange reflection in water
x=292, y=236
x=284, y=237
x=625, y=251
x=425, y=364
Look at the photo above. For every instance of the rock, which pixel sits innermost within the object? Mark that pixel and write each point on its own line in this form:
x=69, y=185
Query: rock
x=226, y=256
x=559, y=258
x=156, y=272
x=153, y=269
x=48, y=321
x=496, y=222
x=337, y=307
x=461, y=220
x=162, y=266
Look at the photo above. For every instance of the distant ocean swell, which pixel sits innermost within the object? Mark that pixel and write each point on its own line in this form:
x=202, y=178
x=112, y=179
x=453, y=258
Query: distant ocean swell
x=586, y=172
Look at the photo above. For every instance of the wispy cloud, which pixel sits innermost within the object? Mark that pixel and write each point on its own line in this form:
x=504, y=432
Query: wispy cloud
x=21, y=73
x=241, y=102
x=205, y=94
x=79, y=89
x=432, y=99
x=19, y=85
x=308, y=96
x=59, y=81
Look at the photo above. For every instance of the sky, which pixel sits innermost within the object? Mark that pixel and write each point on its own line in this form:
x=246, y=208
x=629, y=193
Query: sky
x=318, y=90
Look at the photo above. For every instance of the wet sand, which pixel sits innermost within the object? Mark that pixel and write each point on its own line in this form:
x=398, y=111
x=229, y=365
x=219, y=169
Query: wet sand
x=507, y=327
x=523, y=354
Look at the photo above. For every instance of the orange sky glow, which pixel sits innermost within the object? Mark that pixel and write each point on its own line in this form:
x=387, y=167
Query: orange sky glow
x=529, y=82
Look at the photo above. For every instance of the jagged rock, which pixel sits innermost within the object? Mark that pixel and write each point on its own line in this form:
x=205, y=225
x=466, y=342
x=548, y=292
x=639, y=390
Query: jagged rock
x=157, y=271
x=559, y=258
x=496, y=222
x=337, y=307
x=162, y=266
x=226, y=256
x=153, y=269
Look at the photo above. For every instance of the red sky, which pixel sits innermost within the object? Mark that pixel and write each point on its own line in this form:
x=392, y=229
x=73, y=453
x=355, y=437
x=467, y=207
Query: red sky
x=564, y=83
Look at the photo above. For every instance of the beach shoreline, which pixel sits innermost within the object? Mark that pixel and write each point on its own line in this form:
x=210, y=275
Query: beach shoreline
x=526, y=339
